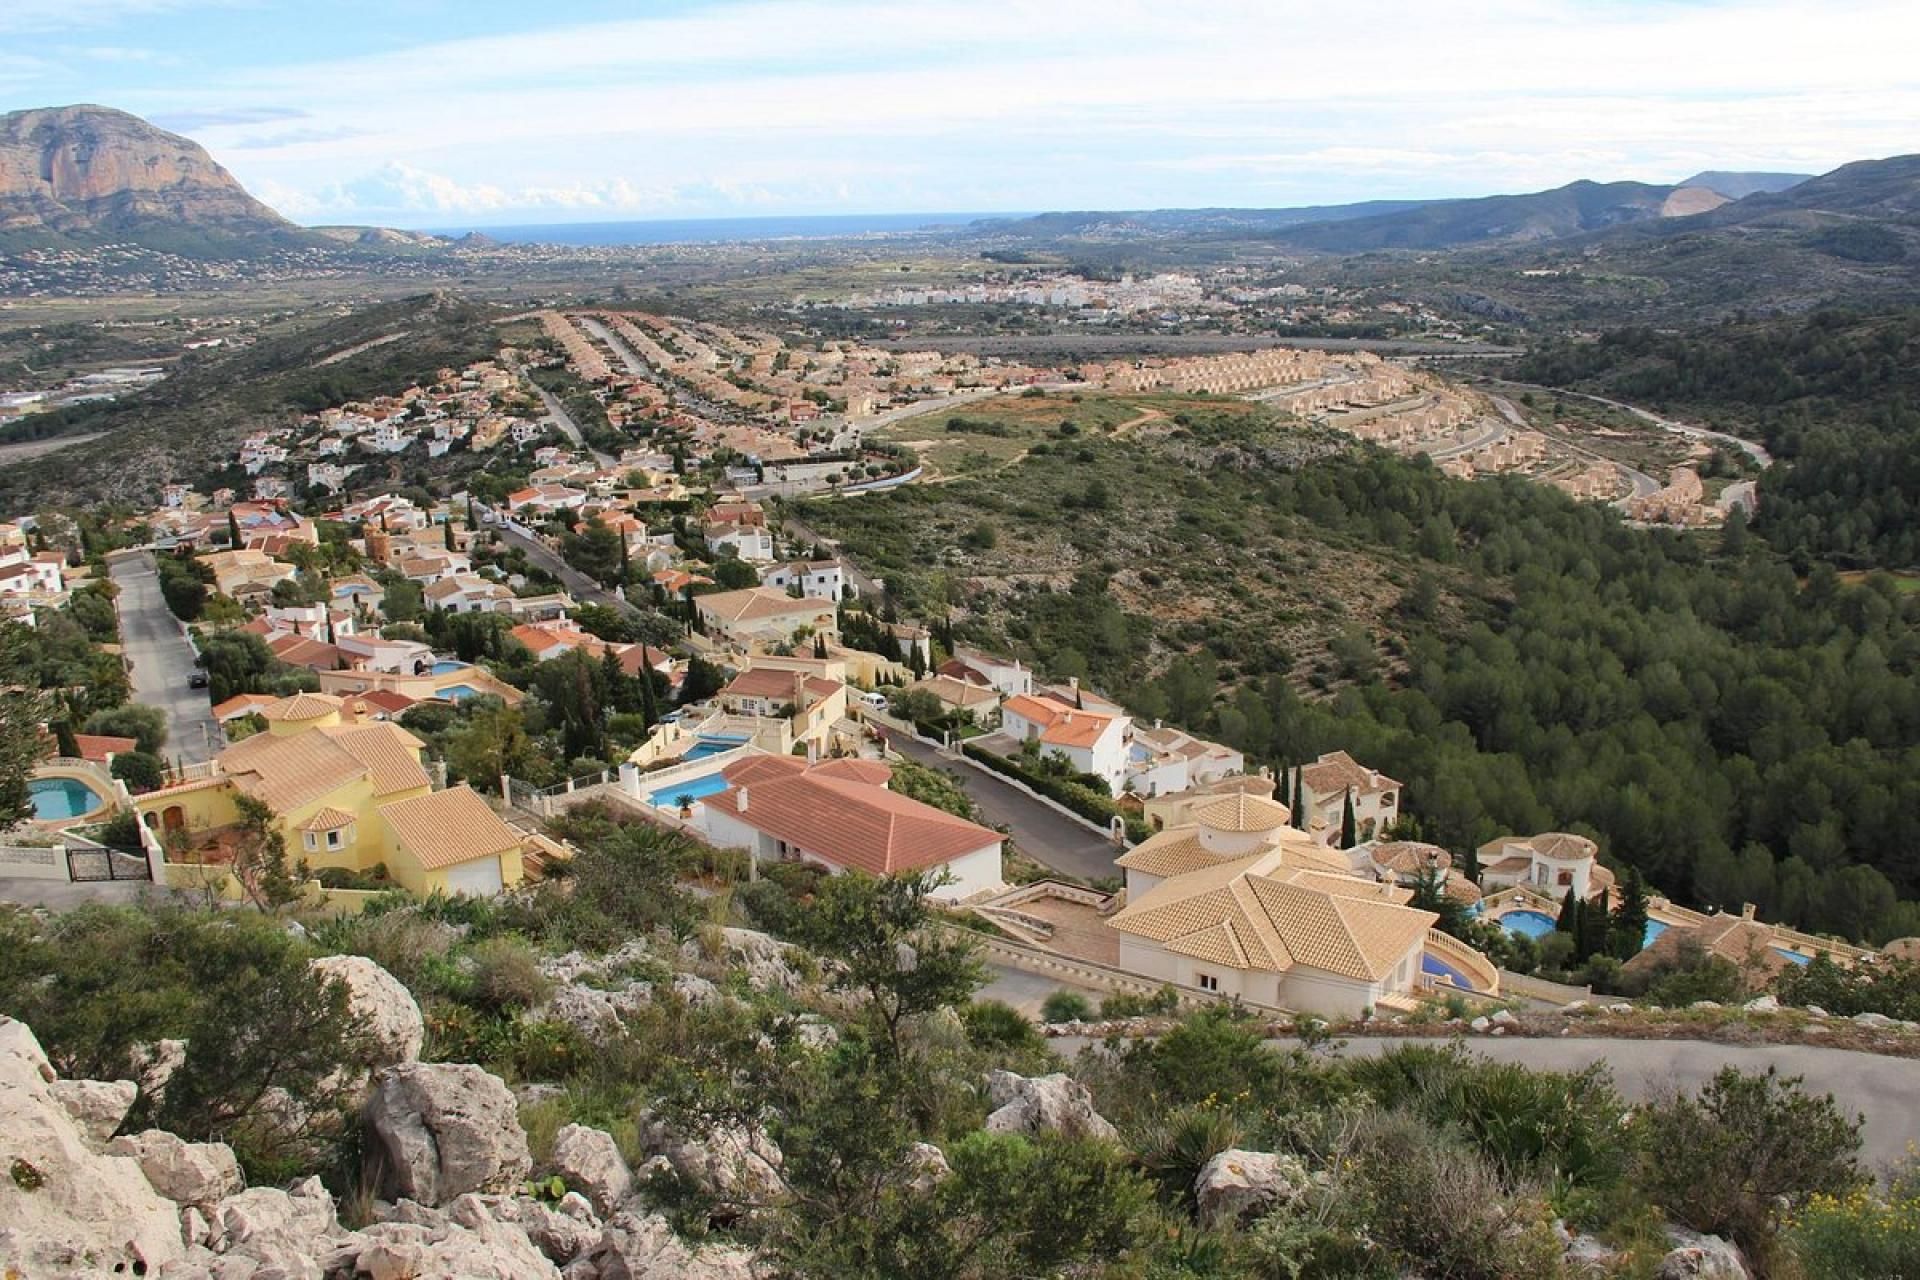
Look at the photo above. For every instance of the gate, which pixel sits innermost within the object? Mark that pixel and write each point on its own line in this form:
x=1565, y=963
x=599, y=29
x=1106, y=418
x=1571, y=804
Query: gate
x=97, y=863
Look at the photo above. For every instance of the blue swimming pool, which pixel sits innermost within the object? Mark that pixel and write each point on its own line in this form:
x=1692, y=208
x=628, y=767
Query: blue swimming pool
x=444, y=665
x=712, y=745
x=1436, y=967
x=668, y=797
x=459, y=692
x=1531, y=924
x=1794, y=956
x=56, y=799
x=1654, y=929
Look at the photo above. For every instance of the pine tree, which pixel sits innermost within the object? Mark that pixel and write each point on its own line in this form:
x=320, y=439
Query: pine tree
x=1349, y=828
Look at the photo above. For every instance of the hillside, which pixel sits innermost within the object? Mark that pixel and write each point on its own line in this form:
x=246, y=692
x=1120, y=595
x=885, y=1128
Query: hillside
x=1735, y=186
x=86, y=175
x=1519, y=661
x=1541, y=215
x=190, y=424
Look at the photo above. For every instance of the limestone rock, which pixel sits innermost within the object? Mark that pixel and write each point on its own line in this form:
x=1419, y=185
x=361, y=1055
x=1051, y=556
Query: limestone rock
x=727, y=1163
x=266, y=1222
x=445, y=1129
x=97, y=1106
x=1479, y=1024
x=589, y=1161
x=696, y=990
x=1698, y=1257
x=1055, y=1103
x=593, y=1012
x=1876, y=1020
x=1505, y=1018
x=1587, y=1256
x=763, y=956
x=563, y=1232
x=65, y=1208
x=188, y=1173
x=636, y=1247
x=926, y=1167
x=1762, y=1004
x=1237, y=1185
x=383, y=1003
x=466, y=1243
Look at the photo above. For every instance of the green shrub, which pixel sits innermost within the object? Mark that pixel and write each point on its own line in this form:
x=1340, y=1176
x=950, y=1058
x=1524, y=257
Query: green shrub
x=1066, y=1006
x=1858, y=1236
x=1126, y=1005
x=994, y=1025
x=506, y=975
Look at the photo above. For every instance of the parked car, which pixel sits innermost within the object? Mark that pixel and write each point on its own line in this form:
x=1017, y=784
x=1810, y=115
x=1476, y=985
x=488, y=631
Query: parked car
x=197, y=680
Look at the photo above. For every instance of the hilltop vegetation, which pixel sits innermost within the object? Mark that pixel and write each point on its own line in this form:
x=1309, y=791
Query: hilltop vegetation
x=1522, y=663
x=1834, y=395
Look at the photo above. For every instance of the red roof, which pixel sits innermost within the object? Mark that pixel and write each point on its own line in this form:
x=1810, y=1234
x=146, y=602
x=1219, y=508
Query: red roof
x=385, y=700
x=97, y=747
x=848, y=822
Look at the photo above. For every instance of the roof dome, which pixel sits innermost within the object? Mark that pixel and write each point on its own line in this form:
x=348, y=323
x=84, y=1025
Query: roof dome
x=1243, y=813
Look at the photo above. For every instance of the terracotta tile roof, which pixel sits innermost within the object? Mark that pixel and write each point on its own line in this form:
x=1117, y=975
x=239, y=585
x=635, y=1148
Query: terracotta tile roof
x=1336, y=771
x=872, y=772
x=1243, y=813
x=765, y=682
x=446, y=828
x=1410, y=857
x=289, y=773
x=1061, y=724
x=97, y=747
x=753, y=604
x=385, y=700
x=301, y=706
x=327, y=819
x=300, y=651
x=851, y=823
x=1172, y=852
x=958, y=692
x=1563, y=845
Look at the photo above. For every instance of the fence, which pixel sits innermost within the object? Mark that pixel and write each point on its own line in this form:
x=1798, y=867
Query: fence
x=1090, y=973
x=32, y=862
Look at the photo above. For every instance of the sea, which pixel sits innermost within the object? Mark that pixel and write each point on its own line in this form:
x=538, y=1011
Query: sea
x=713, y=230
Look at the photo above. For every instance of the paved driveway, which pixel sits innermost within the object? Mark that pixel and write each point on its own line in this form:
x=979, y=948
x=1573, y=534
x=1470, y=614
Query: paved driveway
x=1043, y=833
x=162, y=660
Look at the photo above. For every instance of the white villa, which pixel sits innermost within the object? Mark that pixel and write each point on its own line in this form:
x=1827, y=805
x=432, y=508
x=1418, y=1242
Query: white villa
x=1550, y=863
x=1325, y=785
x=1234, y=901
x=1092, y=741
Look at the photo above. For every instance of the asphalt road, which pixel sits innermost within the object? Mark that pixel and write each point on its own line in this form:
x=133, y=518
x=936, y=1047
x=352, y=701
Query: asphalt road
x=162, y=660
x=1043, y=833
x=578, y=584
x=1754, y=451
x=1886, y=1091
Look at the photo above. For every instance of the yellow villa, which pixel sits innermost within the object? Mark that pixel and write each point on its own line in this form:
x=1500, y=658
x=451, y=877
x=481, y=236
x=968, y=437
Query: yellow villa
x=348, y=792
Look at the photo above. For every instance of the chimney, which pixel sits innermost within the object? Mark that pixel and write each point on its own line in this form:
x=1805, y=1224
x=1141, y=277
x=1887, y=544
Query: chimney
x=1747, y=910
x=740, y=800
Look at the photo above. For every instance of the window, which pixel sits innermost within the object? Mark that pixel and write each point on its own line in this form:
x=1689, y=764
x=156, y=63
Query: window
x=311, y=840
x=1206, y=982
x=335, y=839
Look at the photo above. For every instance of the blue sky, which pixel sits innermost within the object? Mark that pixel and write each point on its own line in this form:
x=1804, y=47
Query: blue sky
x=424, y=113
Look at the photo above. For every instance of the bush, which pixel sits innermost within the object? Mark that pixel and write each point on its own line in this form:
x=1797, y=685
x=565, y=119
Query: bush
x=140, y=770
x=147, y=726
x=1066, y=1006
x=997, y=1026
x=1725, y=1161
x=506, y=976
x=1859, y=1234
x=1124, y=1005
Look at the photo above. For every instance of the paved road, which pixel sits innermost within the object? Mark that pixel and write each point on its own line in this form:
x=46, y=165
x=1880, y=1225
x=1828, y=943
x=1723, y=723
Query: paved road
x=1639, y=483
x=162, y=660
x=1043, y=833
x=1884, y=1090
x=1028, y=991
x=1490, y=433
x=578, y=584
x=1755, y=451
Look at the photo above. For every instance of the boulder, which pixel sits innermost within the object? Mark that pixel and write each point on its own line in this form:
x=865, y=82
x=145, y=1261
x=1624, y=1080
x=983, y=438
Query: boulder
x=188, y=1173
x=1055, y=1103
x=1877, y=1020
x=261, y=1219
x=1236, y=1185
x=593, y=1012
x=1587, y=1256
x=383, y=1003
x=925, y=1168
x=1505, y=1018
x=1762, y=1004
x=97, y=1106
x=762, y=956
x=563, y=1231
x=465, y=1243
x=696, y=990
x=637, y=1247
x=1815, y=1011
x=1704, y=1004
x=815, y=1032
x=1479, y=1024
x=445, y=1129
x=589, y=1161
x=66, y=1208
x=727, y=1163
x=1702, y=1257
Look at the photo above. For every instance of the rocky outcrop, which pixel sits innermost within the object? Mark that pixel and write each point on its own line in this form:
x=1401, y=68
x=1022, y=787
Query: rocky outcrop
x=637, y=1247
x=90, y=172
x=467, y=1242
x=442, y=1130
x=97, y=1106
x=762, y=956
x=925, y=1168
x=728, y=1164
x=1237, y=1185
x=1698, y=1257
x=263, y=1231
x=65, y=1208
x=589, y=1161
x=1044, y=1104
x=187, y=1173
x=596, y=1013
x=383, y=1004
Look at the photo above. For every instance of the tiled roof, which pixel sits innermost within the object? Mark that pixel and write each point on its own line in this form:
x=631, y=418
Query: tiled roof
x=446, y=828
x=1243, y=813
x=301, y=706
x=327, y=819
x=765, y=682
x=849, y=822
x=1173, y=852
x=1410, y=857
x=289, y=773
x=957, y=692
x=97, y=747
x=872, y=772
x=391, y=754
x=755, y=603
x=1336, y=771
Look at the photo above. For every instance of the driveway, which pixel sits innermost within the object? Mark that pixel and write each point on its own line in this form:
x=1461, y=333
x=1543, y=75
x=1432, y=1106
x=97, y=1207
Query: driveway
x=1043, y=833
x=162, y=659
x=1886, y=1091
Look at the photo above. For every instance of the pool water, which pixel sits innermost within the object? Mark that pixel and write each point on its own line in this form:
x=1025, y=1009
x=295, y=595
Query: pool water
x=668, y=797
x=443, y=665
x=1436, y=967
x=1794, y=956
x=1654, y=929
x=55, y=799
x=459, y=692
x=711, y=746
x=1529, y=924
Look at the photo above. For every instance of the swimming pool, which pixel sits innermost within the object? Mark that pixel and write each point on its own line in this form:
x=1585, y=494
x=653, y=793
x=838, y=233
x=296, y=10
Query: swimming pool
x=57, y=799
x=712, y=745
x=1794, y=956
x=442, y=666
x=459, y=692
x=1436, y=967
x=1530, y=924
x=1654, y=929
x=668, y=797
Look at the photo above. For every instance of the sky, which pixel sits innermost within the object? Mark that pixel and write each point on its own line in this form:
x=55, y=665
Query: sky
x=431, y=113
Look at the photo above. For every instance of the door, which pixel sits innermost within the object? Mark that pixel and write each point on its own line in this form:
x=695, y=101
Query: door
x=477, y=879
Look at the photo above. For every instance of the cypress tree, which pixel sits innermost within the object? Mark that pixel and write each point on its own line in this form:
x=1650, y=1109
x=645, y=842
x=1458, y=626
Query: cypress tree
x=1349, y=828
x=1299, y=797
x=1569, y=920
x=65, y=743
x=1630, y=919
x=233, y=529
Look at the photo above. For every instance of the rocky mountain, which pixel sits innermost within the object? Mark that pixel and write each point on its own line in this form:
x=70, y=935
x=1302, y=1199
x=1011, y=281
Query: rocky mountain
x=1574, y=209
x=85, y=175
x=1738, y=185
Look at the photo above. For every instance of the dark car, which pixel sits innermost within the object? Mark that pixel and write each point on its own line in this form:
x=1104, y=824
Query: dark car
x=198, y=680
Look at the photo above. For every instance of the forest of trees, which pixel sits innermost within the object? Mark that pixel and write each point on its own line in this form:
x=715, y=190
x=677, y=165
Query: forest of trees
x=1834, y=395
x=1736, y=733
